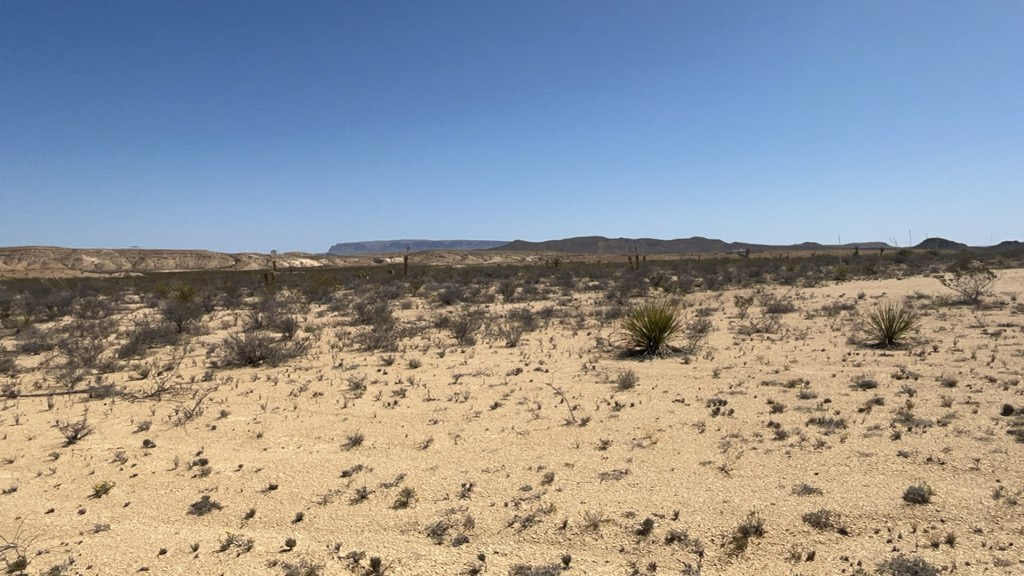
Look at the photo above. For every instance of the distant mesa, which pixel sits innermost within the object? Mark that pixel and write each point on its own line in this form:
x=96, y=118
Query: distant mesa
x=392, y=246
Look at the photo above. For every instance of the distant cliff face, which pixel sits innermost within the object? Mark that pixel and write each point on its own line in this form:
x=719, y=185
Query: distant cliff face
x=392, y=246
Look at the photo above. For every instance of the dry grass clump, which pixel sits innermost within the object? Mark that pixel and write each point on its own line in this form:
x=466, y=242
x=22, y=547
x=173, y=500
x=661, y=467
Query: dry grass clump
x=920, y=493
x=73, y=431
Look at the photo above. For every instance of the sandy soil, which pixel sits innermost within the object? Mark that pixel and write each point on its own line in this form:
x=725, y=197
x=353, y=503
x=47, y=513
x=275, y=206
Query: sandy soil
x=501, y=471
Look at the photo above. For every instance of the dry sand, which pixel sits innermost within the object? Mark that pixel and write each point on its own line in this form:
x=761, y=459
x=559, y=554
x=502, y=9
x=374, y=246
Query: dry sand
x=480, y=435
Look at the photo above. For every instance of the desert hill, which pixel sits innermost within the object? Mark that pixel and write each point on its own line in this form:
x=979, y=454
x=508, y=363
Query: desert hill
x=55, y=261
x=940, y=244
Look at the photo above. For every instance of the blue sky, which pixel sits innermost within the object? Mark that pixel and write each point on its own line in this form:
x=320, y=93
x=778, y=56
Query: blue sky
x=252, y=126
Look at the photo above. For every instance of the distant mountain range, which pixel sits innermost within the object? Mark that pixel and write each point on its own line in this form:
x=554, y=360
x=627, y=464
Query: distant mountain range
x=392, y=246
x=694, y=245
x=57, y=262
x=603, y=245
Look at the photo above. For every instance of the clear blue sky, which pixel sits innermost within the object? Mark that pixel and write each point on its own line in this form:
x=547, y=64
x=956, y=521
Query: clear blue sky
x=251, y=126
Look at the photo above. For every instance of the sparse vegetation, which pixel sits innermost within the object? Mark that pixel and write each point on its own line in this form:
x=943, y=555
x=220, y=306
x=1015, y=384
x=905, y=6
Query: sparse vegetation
x=521, y=360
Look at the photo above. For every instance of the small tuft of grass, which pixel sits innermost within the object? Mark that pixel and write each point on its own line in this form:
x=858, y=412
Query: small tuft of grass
x=530, y=570
x=405, y=498
x=239, y=542
x=204, y=506
x=920, y=493
x=804, y=489
x=646, y=527
x=353, y=440
x=823, y=519
x=626, y=380
x=863, y=382
x=751, y=527
x=828, y=424
x=359, y=495
x=102, y=489
x=907, y=566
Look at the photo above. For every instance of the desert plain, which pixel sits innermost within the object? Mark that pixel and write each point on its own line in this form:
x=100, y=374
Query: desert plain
x=489, y=420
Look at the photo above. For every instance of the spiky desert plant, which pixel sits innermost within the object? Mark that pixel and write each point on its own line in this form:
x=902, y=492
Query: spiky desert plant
x=650, y=327
x=889, y=323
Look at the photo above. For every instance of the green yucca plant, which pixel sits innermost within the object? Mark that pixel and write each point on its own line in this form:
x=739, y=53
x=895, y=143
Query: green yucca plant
x=650, y=328
x=889, y=323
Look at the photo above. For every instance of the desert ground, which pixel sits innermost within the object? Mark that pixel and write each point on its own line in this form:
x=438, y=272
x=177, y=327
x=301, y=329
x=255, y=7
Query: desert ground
x=453, y=422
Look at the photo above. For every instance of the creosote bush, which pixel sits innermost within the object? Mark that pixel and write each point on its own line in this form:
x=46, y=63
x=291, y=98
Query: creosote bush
x=650, y=328
x=971, y=281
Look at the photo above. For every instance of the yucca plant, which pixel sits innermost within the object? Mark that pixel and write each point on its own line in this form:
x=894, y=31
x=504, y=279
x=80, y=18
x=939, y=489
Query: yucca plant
x=889, y=323
x=650, y=328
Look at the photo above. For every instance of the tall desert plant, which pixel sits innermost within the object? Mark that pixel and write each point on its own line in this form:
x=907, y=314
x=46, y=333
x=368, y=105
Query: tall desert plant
x=650, y=328
x=889, y=323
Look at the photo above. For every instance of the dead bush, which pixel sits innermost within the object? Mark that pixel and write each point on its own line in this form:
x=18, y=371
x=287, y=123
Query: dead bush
x=258, y=348
x=74, y=431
